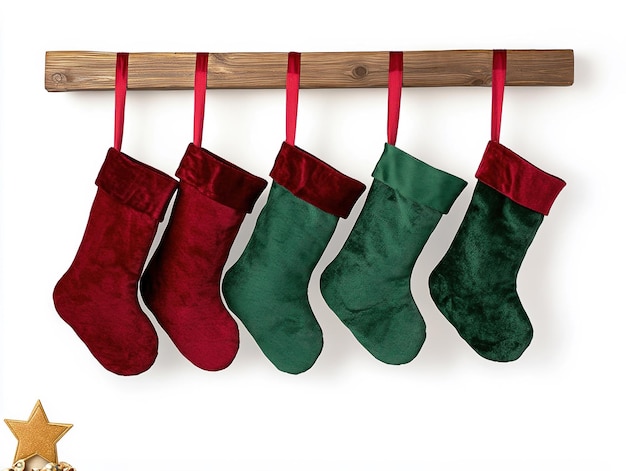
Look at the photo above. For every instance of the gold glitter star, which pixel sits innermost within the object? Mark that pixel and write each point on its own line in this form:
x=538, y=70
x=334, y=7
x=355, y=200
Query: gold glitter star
x=37, y=436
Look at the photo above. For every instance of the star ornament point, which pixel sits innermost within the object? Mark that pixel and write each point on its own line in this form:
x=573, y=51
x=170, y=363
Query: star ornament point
x=37, y=436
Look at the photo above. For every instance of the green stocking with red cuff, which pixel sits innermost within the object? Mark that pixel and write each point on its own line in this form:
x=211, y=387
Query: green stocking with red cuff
x=267, y=287
x=475, y=284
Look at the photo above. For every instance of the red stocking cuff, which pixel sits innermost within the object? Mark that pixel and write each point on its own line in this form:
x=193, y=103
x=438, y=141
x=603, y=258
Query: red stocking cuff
x=219, y=179
x=136, y=184
x=315, y=182
x=516, y=178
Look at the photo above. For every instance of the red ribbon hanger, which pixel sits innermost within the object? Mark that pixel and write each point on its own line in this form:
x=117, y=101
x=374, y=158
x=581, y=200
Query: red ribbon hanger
x=121, y=84
x=293, y=87
x=396, y=65
x=498, y=79
x=199, y=87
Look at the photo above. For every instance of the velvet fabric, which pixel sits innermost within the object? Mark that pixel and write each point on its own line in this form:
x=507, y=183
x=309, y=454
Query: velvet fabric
x=267, y=288
x=368, y=284
x=516, y=178
x=315, y=182
x=475, y=284
x=97, y=296
x=181, y=284
x=220, y=180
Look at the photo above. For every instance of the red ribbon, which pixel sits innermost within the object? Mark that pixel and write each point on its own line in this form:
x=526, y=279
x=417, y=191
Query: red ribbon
x=121, y=84
x=199, y=87
x=396, y=64
x=293, y=87
x=498, y=79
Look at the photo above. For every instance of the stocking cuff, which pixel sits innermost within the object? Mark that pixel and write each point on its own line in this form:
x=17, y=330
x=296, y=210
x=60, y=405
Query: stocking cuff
x=315, y=182
x=219, y=179
x=136, y=184
x=417, y=180
x=517, y=179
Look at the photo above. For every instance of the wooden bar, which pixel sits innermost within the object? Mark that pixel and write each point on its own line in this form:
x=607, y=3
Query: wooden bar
x=87, y=70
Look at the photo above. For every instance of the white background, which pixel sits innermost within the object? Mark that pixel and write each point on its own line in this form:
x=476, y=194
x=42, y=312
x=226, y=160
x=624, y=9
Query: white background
x=561, y=406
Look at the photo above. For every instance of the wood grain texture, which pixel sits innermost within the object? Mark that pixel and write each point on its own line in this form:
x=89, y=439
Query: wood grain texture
x=88, y=70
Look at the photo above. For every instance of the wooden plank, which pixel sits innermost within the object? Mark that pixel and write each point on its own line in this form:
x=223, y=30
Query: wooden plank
x=87, y=70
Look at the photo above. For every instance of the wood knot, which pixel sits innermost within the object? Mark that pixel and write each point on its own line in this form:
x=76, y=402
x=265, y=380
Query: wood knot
x=359, y=72
x=59, y=78
x=480, y=81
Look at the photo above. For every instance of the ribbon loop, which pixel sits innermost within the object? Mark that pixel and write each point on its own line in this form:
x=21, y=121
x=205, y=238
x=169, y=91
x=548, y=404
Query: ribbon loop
x=121, y=84
x=199, y=87
x=293, y=86
x=396, y=65
x=498, y=79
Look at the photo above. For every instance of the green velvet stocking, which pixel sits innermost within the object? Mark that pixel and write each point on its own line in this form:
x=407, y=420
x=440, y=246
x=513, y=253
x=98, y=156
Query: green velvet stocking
x=368, y=284
x=267, y=287
x=475, y=284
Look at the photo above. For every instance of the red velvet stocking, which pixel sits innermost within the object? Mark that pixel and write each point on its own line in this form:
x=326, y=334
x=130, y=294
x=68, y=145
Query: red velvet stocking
x=97, y=296
x=181, y=284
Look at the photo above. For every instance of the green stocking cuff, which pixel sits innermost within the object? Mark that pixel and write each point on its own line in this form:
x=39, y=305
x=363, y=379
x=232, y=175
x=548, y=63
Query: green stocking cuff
x=417, y=180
